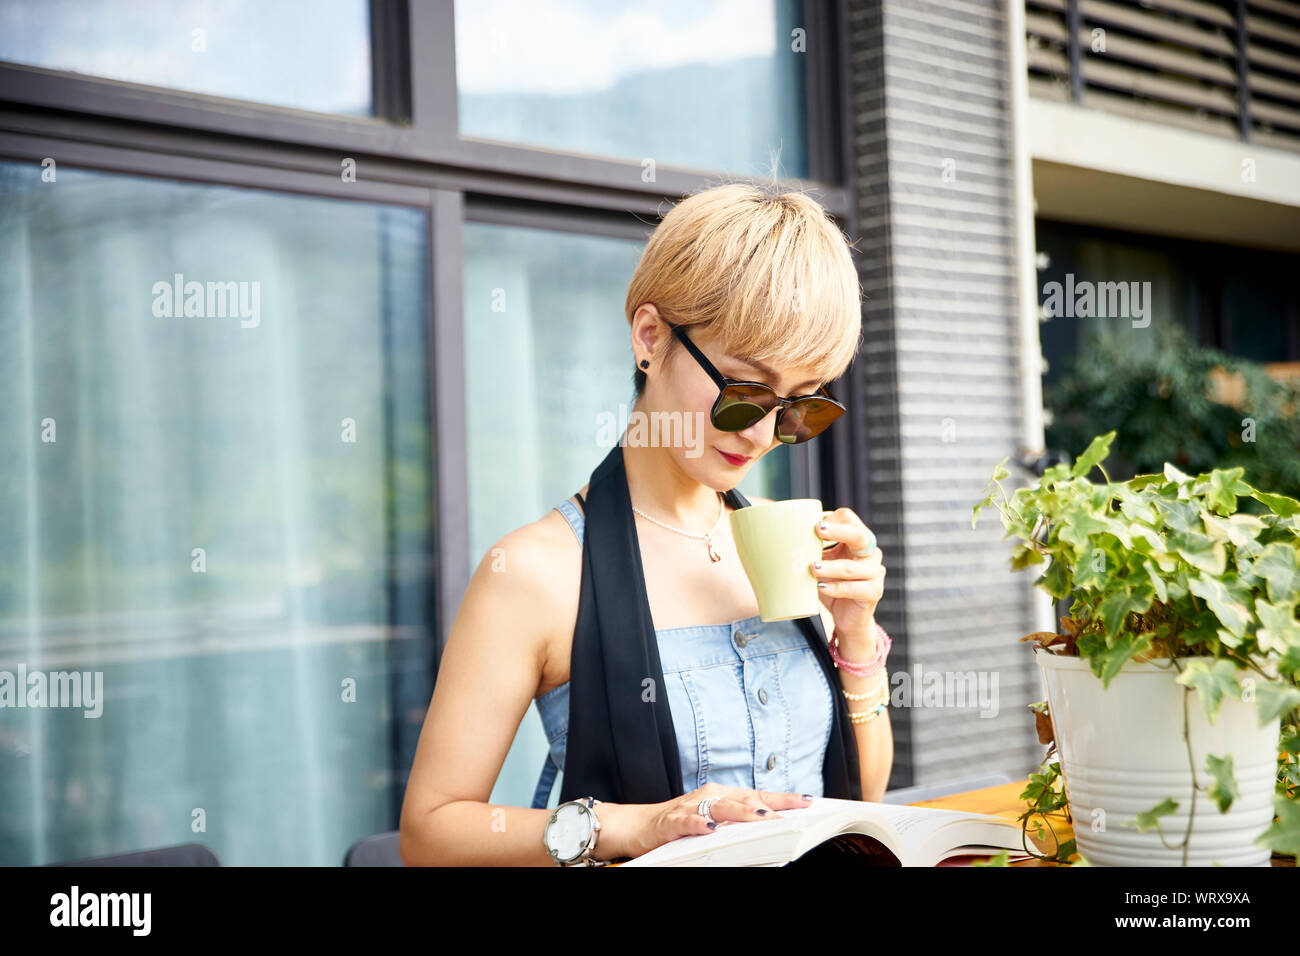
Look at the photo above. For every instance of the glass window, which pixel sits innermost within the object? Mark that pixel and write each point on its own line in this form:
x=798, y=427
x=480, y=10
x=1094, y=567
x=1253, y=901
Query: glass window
x=548, y=369
x=214, y=491
x=709, y=84
x=306, y=56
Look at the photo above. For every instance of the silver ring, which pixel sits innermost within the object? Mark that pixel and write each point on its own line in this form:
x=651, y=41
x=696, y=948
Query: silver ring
x=871, y=537
x=706, y=808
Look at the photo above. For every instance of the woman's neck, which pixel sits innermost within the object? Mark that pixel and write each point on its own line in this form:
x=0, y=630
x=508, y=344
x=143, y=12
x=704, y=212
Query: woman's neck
x=659, y=487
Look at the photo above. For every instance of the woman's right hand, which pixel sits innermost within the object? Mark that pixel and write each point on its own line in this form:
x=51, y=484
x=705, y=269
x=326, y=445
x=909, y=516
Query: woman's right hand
x=631, y=829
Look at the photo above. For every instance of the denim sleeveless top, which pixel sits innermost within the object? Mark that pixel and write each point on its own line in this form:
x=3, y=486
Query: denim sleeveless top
x=751, y=706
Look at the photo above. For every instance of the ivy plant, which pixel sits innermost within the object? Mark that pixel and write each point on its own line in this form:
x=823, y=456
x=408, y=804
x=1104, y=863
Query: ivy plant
x=1164, y=567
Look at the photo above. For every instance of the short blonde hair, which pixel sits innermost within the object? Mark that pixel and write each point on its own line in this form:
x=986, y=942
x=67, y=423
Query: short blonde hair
x=769, y=274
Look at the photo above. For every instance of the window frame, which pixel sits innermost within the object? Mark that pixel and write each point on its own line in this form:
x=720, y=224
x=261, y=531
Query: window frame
x=411, y=153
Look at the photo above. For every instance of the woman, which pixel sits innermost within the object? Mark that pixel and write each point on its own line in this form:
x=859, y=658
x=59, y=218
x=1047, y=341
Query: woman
x=707, y=715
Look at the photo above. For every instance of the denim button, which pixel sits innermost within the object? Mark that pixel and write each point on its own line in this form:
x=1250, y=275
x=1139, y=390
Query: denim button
x=762, y=697
x=741, y=639
x=771, y=761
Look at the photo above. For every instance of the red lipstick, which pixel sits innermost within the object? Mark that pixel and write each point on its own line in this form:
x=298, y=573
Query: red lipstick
x=736, y=460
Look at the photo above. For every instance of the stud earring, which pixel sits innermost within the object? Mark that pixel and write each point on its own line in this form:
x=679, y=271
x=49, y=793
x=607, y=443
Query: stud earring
x=645, y=363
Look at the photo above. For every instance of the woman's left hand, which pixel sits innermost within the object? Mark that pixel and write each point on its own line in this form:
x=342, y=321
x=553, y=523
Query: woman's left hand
x=853, y=586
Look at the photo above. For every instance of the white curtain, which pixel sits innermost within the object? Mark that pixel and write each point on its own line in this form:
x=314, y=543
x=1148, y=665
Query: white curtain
x=248, y=699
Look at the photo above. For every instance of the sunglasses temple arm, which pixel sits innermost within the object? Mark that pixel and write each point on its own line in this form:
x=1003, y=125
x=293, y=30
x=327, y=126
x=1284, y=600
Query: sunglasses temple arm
x=705, y=364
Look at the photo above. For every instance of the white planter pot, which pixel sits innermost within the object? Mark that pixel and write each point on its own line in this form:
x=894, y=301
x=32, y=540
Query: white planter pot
x=1122, y=752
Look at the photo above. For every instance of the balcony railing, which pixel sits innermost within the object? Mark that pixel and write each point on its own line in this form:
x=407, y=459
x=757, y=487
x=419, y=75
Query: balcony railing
x=1230, y=67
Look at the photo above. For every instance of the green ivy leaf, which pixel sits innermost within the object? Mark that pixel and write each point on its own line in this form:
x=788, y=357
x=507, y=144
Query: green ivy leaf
x=1279, y=628
x=1056, y=579
x=1229, y=605
x=1143, y=535
x=1180, y=516
x=1106, y=662
x=1240, y=530
x=1228, y=639
x=1138, y=482
x=1224, y=486
x=1133, y=506
x=1274, y=698
x=1202, y=552
x=1279, y=565
x=1001, y=858
x=1279, y=504
x=1147, y=819
x=1078, y=522
x=1284, y=835
x=1096, y=451
x=1116, y=607
x=1214, y=681
x=1022, y=556
x=1092, y=646
x=1174, y=475
x=1225, y=789
x=1157, y=580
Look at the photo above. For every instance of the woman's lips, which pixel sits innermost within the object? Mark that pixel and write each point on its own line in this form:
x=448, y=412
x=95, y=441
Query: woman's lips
x=736, y=460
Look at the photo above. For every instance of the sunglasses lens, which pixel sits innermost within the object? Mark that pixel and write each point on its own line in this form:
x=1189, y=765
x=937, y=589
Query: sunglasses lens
x=805, y=419
x=740, y=406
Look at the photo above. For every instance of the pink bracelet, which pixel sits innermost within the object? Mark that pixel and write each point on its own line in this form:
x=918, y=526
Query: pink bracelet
x=870, y=669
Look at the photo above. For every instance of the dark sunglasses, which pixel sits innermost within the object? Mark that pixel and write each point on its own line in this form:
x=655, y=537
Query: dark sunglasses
x=741, y=404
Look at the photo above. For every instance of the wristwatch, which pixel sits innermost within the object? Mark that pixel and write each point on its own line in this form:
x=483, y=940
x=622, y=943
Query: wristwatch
x=570, y=834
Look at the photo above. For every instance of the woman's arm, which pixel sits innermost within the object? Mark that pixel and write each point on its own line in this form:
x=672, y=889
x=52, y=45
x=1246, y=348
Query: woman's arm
x=488, y=675
x=875, y=737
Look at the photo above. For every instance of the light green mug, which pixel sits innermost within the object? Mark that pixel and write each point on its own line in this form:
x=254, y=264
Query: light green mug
x=777, y=544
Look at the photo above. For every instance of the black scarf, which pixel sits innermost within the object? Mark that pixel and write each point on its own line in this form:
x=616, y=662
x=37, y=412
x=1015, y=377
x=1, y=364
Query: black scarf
x=621, y=748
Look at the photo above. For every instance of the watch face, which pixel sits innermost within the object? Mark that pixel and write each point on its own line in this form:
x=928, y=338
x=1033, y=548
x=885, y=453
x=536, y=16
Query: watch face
x=570, y=831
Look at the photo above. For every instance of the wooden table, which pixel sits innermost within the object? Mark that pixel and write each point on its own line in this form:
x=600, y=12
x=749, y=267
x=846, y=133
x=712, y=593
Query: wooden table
x=1004, y=801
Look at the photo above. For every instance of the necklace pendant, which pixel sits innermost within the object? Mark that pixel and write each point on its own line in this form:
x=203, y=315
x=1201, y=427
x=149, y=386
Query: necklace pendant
x=713, y=555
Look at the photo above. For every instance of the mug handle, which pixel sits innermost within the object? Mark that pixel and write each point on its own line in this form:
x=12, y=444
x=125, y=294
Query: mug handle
x=827, y=545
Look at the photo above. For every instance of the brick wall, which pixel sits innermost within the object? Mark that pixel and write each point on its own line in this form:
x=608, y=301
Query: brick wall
x=933, y=212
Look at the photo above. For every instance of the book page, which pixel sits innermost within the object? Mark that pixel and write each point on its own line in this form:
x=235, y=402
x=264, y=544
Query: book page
x=915, y=827
x=912, y=827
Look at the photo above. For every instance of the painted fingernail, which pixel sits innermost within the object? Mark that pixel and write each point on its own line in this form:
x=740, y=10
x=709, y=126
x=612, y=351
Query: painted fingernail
x=822, y=585
x=817, y=564
x=761, y=813
x=712, y=825
x=806, y=796
x=822, y=525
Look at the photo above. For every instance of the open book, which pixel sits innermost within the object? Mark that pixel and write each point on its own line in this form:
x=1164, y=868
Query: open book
x=853, y=831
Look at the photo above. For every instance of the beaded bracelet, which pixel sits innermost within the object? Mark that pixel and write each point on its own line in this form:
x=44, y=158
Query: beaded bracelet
x=864, y=716
x=883, y=644
x=875, y=698
x=884, y=679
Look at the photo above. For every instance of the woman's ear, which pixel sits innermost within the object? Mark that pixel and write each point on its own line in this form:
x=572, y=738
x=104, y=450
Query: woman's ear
x=647, y=331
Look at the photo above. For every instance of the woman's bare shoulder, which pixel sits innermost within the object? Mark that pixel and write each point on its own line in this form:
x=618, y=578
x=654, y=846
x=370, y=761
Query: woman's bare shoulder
x=532, y=578
x=534, y=557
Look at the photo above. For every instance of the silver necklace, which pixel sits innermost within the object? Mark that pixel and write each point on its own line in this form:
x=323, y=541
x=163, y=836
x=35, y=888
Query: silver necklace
x=707, y=536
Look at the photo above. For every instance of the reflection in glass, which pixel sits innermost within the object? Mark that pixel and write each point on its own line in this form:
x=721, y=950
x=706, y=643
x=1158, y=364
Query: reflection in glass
x=223, y=508
x=548, y=376
x=708, y=84
x=306, y=56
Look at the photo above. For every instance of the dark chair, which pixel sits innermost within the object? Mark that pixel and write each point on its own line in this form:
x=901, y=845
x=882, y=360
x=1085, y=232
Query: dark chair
x=377, y=850
x=187, y=854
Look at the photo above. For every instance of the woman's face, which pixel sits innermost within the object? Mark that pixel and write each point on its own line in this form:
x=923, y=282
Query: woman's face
x=683, y=385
